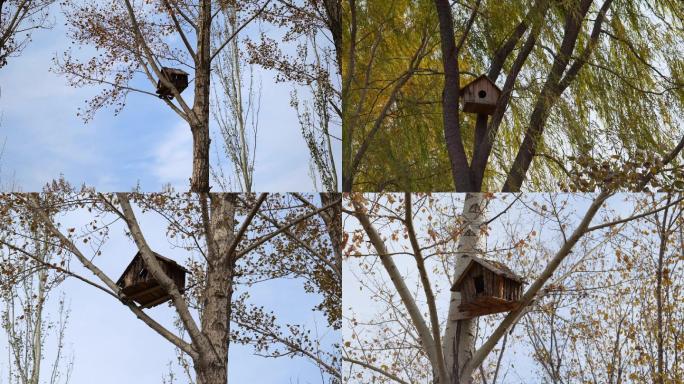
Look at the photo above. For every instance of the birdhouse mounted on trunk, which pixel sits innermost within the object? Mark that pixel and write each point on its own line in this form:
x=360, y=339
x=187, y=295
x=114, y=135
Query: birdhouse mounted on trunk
x=480, y=96
x=487, y=287
x=138, y=284
x=177, y=77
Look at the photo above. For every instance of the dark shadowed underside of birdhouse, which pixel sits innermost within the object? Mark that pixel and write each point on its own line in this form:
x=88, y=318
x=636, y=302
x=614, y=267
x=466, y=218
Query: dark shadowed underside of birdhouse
x=138, y=284
x=487, y=287
x=177, y=77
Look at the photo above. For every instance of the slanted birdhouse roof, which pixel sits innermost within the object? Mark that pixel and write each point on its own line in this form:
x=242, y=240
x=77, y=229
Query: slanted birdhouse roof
x=485, y=77
x=158, y=256
x=493, y=266
x=174, y=71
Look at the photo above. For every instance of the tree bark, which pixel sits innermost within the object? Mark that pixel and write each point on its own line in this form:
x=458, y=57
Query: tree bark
x=200, y=122
x=450, y=96
x=664, y=234
x=333, y=19
x=333, y=223
x=217, y=293
x=200, y=157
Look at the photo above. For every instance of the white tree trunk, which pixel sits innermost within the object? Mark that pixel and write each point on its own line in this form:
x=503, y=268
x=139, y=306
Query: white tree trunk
x=459, y=337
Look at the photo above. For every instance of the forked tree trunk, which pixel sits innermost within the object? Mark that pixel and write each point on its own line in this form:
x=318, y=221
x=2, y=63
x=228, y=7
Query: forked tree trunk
x=458, y=344
x=212, y=367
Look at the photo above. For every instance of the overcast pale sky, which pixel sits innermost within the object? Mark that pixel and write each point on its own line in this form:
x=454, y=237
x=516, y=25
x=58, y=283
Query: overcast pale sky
x=111, y=346
x=147, y=143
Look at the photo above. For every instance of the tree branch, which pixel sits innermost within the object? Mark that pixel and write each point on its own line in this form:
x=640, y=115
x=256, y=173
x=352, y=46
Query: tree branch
x=376, y=369
x=404, y=293
x=153, y=265
x=248, y=220
x=235, y=33
x=282, y=229
x=427, y=288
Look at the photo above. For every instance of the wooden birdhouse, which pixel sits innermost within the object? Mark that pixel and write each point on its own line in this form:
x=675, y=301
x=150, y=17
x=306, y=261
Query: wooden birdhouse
x=480, y=96
x=487, y=287
x=177, y=77
x=138, y=284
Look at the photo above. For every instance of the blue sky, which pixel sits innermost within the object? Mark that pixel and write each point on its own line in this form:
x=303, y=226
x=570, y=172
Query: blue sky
x=110, y=344
x=146, y=143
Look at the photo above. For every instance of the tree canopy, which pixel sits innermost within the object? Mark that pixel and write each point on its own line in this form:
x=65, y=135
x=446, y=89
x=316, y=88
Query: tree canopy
x=598, y=80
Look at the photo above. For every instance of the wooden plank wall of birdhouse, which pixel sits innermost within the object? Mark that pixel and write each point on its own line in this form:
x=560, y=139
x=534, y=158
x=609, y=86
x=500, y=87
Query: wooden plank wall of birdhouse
x=494, y=286
x=132, y=276
x=468, y=290
x=178, y=276
x=511, y=290
x=488, y=281
x=468, y=287
x=515, y=290
x=482, y=85
x=174, y=272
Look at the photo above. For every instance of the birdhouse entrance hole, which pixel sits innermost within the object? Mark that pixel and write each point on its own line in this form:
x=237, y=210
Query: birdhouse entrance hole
x=482, y=94
x=479, y=284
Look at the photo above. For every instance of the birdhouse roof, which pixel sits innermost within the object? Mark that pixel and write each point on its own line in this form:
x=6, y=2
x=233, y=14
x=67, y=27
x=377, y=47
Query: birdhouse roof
x=478, y=79
x=174, y=71
x=158, y=256
x=492, y=266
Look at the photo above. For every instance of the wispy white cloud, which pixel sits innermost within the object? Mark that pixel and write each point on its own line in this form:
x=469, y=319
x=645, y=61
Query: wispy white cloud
x=172, y=158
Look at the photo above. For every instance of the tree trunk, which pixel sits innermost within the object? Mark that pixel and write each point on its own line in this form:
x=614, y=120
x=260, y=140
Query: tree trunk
x=200, y=157
x=459, y=337
x=333, y=223
x=460, y=171
x=333, y=13
x=200, y=123
x=218, y=291
x=347, y=182
x=660, y=373
x=38, y=326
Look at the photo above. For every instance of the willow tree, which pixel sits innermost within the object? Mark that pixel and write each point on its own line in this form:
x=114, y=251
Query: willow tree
x=237, y=240
x=596, y=80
